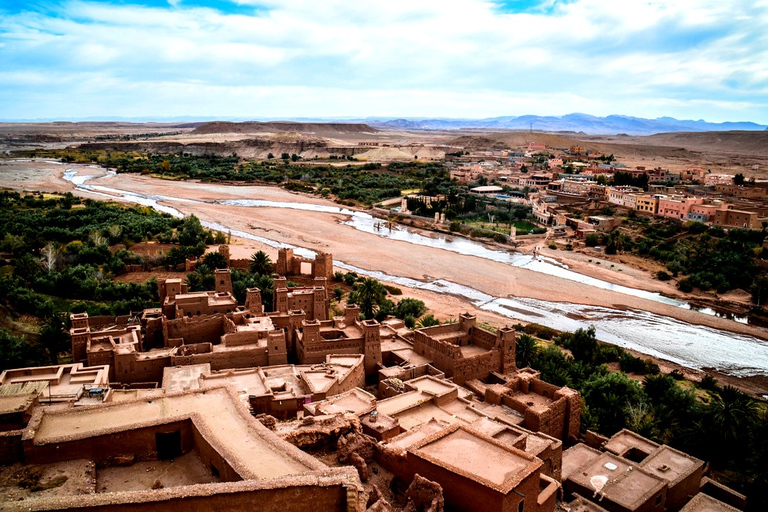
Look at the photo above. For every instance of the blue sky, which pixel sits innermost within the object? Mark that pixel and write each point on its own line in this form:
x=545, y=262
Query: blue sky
x=690, y=59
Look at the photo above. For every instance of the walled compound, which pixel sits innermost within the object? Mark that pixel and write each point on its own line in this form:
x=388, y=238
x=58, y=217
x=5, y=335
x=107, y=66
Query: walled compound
x=417, y=420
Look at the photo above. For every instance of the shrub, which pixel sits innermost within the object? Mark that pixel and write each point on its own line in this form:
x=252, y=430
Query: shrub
x=663, y=276
x=684, y=285
x=708, y=382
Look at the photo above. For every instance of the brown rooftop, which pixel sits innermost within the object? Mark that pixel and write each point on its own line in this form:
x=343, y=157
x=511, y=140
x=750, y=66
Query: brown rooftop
x=617, y=480
x=467, y=452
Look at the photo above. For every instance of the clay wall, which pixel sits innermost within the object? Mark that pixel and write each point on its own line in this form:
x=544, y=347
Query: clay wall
x=680, y=494
x=246, y=357
x=240, y=264
x=197, y=330
x=466, y=494
x=442, y=355
x=213, y=460
x=354, y=379
x=240, y=338
x=316, y=352
x=549, y=421
x=10, y=447
x=97, y=322
x=280, y=409
x=140, y=443
x=483, y=339
x=476, y=367
x=134, y=367
x=291, y=494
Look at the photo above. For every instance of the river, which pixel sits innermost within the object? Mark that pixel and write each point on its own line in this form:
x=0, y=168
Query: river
x=688, y=344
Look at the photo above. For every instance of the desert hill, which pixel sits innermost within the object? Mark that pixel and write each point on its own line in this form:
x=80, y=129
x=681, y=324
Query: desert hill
x=328, y=129
x=753, y=143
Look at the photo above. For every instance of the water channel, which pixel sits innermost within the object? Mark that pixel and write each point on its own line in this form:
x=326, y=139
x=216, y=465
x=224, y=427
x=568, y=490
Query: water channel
x=684, y=343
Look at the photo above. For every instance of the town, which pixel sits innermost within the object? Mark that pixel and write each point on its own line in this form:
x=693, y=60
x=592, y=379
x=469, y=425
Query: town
x=397, y=414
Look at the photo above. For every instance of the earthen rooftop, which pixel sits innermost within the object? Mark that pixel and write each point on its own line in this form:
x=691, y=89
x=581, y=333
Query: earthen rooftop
x=469, y=453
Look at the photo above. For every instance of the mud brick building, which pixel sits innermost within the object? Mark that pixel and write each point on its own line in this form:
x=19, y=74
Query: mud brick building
x=464, y=351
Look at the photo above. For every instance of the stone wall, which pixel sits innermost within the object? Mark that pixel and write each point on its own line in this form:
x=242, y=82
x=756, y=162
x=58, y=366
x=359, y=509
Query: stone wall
x=197, y=330
x=138, y=444
x=476, y=367
x=11, y=447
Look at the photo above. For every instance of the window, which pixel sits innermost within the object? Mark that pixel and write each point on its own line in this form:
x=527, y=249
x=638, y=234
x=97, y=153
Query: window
x=521, y=506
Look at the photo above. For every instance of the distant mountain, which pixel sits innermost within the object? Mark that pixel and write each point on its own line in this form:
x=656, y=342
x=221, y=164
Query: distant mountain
x=583, y=123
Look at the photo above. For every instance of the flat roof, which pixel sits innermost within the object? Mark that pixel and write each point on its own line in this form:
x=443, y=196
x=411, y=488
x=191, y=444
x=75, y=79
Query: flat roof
x=253, y=451
x=705, y=503
x=577, y=456
x=624, y=440
x=487, y=188
x=670, y=464
x=356, y=401
x=468, y=453
x=618, y=480
x=183, y=378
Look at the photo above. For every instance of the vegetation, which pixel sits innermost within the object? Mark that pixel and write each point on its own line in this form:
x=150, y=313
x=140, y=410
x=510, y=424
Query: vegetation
x=62, y=255
x=717, y=424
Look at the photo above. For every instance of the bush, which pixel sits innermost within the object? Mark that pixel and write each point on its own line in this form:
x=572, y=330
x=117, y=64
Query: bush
x=592, y=240
x=350, y=278
x=684, y=285
x=708, y=382
x=663, y=276
x=631, y=364
x=338, y=293
x=393, y=290
x=410, y=307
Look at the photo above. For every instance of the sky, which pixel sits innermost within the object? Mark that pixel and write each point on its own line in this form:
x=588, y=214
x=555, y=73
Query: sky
x=689, y=59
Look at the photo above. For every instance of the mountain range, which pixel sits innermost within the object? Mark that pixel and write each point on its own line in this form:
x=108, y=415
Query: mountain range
x=579, y=123
x=574, y=123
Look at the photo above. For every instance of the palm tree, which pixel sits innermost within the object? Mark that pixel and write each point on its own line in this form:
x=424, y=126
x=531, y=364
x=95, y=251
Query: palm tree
x=527, y=350
x=370, y=293
x=729, y=417
x=261, y=264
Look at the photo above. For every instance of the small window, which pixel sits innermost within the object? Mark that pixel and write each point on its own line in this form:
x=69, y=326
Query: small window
x=658, y=499
x=521, y=506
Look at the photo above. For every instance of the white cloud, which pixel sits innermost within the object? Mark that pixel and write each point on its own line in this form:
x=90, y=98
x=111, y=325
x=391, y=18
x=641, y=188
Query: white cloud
x=409, y=57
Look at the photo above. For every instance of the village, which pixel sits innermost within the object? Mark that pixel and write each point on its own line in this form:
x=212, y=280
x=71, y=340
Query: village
x=294, y=407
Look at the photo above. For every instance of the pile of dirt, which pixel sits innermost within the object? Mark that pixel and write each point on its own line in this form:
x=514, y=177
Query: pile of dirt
x=283, y=126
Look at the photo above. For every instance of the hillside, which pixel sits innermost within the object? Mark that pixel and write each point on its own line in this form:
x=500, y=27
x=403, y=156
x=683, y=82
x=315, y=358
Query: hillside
x=283, y=126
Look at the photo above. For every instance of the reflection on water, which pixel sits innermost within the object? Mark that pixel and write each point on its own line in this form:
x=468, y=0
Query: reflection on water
x=657, y=335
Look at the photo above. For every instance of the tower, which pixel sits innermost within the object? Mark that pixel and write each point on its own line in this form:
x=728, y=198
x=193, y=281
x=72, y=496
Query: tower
x=223, y=280
x=372, y=345
x=507, y=344
x=253, y=301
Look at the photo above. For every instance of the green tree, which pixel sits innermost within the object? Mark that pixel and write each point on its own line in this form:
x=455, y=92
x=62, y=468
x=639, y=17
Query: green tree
x=527, y=350
x=261, y=264
x=410, y=307
x=729, y=416
x=191, y=232
x=610, y=396
x=370, y=294
x=215, y=260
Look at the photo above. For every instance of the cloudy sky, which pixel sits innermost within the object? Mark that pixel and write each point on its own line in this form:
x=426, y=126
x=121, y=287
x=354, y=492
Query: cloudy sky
x=690, y=59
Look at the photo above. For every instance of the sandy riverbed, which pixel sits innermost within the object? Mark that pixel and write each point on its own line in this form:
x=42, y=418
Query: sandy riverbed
x=324, y=232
